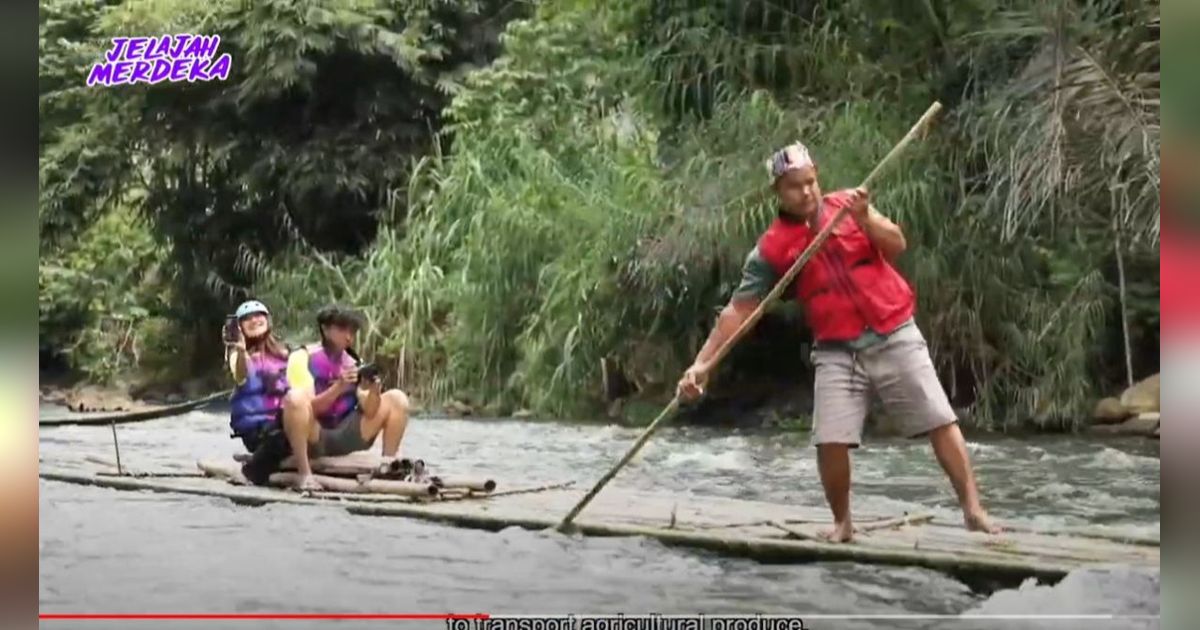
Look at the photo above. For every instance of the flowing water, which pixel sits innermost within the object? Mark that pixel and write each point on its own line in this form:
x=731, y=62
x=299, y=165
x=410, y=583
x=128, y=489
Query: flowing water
x=110, y=551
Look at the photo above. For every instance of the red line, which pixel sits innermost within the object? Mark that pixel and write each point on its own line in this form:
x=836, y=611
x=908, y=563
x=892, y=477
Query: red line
x=259, y=616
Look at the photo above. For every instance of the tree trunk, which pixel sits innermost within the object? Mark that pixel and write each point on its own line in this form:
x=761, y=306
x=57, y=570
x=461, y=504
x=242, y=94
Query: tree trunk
x=1124, y=313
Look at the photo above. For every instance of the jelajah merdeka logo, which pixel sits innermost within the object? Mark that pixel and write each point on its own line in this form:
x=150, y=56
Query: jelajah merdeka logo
x=172, y=58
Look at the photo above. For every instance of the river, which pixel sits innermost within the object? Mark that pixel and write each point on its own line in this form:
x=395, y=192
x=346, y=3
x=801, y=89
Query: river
x=121, y=552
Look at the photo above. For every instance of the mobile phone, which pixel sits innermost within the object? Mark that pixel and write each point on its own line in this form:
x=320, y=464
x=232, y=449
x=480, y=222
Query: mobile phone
x=233, y=332
x=368, y=372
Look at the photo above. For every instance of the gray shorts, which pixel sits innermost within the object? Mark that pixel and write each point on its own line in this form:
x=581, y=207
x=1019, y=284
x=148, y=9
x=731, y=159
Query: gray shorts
x=343, y=439
x=898, y=370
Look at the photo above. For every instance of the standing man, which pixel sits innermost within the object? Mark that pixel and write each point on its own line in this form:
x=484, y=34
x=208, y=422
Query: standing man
x=860, y=311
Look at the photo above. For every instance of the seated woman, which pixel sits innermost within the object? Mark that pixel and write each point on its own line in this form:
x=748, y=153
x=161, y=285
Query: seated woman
x=329, y=411
x=258, y=363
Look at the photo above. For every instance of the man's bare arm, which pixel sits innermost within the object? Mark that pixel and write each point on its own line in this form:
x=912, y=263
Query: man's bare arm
x=884, y=234
x=322, y=403
x=370, y=398
x=731, y=318
x=735, y=313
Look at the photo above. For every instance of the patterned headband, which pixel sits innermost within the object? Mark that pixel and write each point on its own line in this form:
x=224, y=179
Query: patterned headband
x=792, y=157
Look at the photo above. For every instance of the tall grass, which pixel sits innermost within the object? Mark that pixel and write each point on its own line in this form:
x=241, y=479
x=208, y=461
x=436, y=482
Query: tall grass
x=587, y=212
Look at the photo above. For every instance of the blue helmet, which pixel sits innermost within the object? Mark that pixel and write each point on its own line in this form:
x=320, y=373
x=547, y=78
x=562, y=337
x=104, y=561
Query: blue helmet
x=251, y=307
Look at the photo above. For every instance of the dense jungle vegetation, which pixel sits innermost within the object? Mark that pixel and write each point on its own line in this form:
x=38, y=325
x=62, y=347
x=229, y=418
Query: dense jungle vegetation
x=519, y=192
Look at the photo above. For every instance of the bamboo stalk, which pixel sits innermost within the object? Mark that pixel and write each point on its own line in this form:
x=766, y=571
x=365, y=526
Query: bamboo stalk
x=786, y=521
x=899, y=521
x=351, y=486
x=793, y=531
x=353, y=464
x=153, y=413
x=542, y=488
x=363, y=485
x=469, y=483
x=1124, y=311
x=859, y=529
x=361, y=496
x=96, y=459
x=151, y=474
x=116, y=445
x=773, y=549
x=750, y=322
x=108, y=463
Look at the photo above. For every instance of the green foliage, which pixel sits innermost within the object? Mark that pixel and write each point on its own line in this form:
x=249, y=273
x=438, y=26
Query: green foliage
x=102, y=303
x=310, y=138
x=590, y=194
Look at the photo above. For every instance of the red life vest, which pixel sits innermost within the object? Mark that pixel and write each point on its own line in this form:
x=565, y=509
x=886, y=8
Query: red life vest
x=847, y=286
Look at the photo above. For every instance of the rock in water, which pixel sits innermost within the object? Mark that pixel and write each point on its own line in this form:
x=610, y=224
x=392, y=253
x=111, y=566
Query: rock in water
x=91, y=398
x=1143, y=396
x=459, y=408
x=1110, y=410
x=1102, y=590
x=1143, y=424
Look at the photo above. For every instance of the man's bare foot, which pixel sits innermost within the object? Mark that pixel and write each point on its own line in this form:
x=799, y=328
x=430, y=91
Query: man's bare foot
x=978, y=521
x=308, y=483
x=840, y=533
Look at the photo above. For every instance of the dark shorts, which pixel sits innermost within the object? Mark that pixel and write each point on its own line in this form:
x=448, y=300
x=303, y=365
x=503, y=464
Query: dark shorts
x=252, y=442
x=343, y=439
x=255, y=439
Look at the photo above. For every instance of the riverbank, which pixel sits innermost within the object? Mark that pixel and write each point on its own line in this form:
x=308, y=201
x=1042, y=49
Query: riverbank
x=78, y=395
x=1135, y=412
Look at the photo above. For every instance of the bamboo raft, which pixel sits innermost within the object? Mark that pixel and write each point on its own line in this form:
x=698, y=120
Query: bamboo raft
x=365, y=485
x=123, y=417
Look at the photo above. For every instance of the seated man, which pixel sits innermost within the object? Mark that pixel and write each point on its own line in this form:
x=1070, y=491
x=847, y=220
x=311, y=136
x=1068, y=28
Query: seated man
x=328, y=411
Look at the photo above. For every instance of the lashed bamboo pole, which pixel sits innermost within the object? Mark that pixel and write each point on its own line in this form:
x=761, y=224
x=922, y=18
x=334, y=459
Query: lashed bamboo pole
x=122, y=417
x=898, y=521
x=351, y=486
x=473, y=484
x=116, y=446
x=335, y=484
x=773, y=549
x=779, y=288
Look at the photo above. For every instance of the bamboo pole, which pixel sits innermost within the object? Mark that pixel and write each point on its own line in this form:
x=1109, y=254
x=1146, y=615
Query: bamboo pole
x=335, y=484
x=468, y=483
x=542, y=488
x=122, y=417
x=772, y=549
x=363, y=496
x=794, y=521
x=108, y=463
x=779, y=288
x=965, y=561
x=358, y=463
x=150, y=474
x=1124, y=311
x=899, y=521
x=351, y=486
x=116, y=446
x=792, y=531
x=96, y=459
